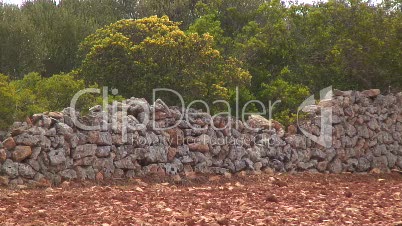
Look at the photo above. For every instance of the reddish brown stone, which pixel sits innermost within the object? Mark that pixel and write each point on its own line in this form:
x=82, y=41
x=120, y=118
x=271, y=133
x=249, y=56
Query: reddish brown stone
x=342, y=154
x=190, y=175
x=157, y=170
x=4, y=181
x=371, y=92
x=171, y=153
x=187, y=168
x=226, y=132
x=220, y=123
x=93, y=136
x=44, y=183
x=3, y=155
x=159, y=115
x=257, y=121
x=99, y=176
x=199, y=147
x=36, y=117
x=17, y=132
x=176, y=178
x=21, y=152
x=200, y=122
x=56, y=115
x=292, y=130
x=161, y=172
x=28, y=121
x=176, y=137
x=9, y=143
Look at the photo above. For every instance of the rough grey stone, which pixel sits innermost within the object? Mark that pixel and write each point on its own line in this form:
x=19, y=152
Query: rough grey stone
x=156, y=154
x=277, y=165
x=171, y=169
x=227, y=163
x=84, y=173
x=152, y=138
x=322, y=166
x=304, y=165
x=218, y=170
x=330, y=154
x=399, y=162
x=240, y=165
x=373, y=124
x=10, y=168
x=363, y=165
x=391, y=159
x=86, y=161
x=397, y=136
x=64, y=129
x=363, y=131
x=350, y=130
x=35, y=153
x=380, y=163
x=249, y=163
x=103, y=151
x=126, y=163
x=297, y=141
x=118, y=173
x=186, y=159
x=318, y=154
x=236, y=153
x=351, y=165
x=104, y=139
x=26, y=171
x=73, y=141
x=385, y=138
x=105, y=165
x=57, y=156
x=17, y=181
x=335, y=166
x=68, y=174
x=83, y=151
x=51, y=132
x=34, y=164
x=131, y=174
x=201, y=168
x=27, y=139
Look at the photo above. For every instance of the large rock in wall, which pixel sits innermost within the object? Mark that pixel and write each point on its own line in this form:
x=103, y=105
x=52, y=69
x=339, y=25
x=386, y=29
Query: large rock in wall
x=49, y=147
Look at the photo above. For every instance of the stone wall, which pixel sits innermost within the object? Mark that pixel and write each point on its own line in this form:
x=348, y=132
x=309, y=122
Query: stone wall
x=50, y=148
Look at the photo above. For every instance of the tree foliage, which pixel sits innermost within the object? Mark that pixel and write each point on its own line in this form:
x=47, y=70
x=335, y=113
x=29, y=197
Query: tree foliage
x=270, y=49
x=7, y=103
x=35, y=94
x=136, y=56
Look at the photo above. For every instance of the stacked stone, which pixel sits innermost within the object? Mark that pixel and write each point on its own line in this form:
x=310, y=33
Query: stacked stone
x=366, y=134
x=50, y=148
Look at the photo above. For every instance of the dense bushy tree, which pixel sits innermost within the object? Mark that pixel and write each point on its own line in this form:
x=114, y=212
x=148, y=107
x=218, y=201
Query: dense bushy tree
x=21, y=47
x=183, y=11
x=7, y=103
x=136, y=56
x=216, y=44
x=347, y=44
x=35, y=94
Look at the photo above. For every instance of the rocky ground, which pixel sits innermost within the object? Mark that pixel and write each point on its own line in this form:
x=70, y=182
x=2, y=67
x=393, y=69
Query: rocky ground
x=288, y=199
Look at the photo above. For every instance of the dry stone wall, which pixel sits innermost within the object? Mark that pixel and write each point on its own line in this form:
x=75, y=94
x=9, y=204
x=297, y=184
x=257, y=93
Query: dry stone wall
x=50, y=148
